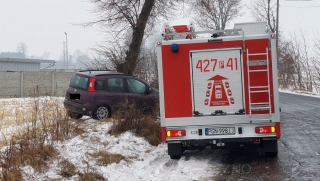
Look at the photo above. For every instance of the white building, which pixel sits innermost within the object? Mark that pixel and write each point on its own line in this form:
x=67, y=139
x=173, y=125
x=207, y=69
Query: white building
x=18, y=62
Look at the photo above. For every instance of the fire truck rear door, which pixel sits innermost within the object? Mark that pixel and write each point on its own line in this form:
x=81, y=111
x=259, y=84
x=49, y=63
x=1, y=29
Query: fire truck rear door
x=217, y=81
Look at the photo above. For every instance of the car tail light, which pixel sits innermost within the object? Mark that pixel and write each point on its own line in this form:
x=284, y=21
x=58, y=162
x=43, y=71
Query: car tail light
x=176, y=133
x=91, y=85
x=265, y=129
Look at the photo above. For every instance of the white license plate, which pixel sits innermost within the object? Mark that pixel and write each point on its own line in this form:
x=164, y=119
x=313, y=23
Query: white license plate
x=220, y=131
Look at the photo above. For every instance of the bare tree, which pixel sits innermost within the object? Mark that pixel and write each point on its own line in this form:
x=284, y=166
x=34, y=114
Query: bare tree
x=306, y=60
x=46, y=55
x=97, y=63
x=297, y=62
x=147, y=68
x=22, y=48
x=135, y=16
x=286, y=68
x=315, y=61
x=215, y=14
x=113, y=53
x=265, y=10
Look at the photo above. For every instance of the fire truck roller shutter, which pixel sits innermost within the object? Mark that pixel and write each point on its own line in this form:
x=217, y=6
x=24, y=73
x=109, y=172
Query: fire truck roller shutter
x=217, y=81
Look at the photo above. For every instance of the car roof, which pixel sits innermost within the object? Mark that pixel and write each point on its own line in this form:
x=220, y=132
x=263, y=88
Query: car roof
x=95, y=73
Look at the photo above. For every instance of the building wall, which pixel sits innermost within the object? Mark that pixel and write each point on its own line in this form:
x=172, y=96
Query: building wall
x=19, y=66
x=26, y=84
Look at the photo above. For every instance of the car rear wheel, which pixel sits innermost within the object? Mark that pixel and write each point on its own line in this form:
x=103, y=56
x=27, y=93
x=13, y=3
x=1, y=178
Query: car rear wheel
x=74, y=115
x=101, y=112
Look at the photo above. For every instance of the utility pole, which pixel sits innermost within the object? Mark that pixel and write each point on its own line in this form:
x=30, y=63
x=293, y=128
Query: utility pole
x=67, y=55
x=64, y=55
x=277, y=28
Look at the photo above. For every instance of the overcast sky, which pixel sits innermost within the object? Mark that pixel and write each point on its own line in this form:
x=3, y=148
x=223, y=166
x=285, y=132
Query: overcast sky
x=41, y=24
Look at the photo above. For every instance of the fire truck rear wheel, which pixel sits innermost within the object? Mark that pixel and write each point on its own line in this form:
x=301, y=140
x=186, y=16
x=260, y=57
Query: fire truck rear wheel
x=270, y=147
x=175, y=157
x=175, y=150
x=271, y=154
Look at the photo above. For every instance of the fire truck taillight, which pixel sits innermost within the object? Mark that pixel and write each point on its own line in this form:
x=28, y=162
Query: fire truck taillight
x=265, y=129
x=273, y=36
x=176, y=133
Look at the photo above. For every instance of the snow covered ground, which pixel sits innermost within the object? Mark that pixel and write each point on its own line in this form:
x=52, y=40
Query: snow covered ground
x=145, y=162
x=142, y=161
x=313, y=94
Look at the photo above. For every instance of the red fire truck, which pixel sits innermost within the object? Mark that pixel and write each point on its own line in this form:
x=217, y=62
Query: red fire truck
x=218, y=88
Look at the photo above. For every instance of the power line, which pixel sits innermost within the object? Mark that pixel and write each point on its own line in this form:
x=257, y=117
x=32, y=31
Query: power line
x=300, y=6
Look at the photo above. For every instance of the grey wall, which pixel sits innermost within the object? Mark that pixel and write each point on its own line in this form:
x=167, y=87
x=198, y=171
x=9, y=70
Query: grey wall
x=24, y=84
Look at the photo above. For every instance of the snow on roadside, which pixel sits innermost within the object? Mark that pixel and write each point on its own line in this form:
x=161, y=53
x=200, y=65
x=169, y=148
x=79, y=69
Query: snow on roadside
x=146, y=162
x=314, y=94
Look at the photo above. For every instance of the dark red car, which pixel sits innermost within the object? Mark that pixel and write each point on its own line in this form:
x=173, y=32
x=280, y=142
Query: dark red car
x=100, y=93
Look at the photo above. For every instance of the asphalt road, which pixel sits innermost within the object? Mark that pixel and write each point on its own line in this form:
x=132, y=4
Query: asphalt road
x=299, y=148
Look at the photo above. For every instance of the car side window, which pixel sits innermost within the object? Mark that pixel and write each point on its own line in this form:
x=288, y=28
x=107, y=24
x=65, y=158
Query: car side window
x=115, y=85
x=99, y=85
x=135, y=86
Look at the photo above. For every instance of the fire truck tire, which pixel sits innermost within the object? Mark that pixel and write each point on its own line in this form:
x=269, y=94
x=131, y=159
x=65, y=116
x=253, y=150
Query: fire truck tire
x=271, y=154
x=175, y=150
x=270, y=147
x=175, y=157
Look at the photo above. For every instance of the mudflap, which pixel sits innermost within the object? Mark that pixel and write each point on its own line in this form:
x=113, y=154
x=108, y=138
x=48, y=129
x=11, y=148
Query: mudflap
x=270, y=146
x=175, y=150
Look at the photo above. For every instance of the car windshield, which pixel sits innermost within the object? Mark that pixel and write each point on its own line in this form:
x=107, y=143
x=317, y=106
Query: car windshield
x=79, y=82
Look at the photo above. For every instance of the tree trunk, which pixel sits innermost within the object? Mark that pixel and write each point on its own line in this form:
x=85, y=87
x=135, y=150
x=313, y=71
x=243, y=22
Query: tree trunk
x=137, y=36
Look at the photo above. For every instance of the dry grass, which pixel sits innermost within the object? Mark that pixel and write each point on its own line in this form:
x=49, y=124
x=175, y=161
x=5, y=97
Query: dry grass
x=39, y=124
x=30, y=128
x=91, y=176
x=17, y=115
x=17, y=111
x=129, y=118
x=67, y=169
x=13, y=174
x=104, y=158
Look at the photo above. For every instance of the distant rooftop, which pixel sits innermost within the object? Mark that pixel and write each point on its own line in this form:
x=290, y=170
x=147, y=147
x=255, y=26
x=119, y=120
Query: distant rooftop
x=12, y=55
x=20, y=57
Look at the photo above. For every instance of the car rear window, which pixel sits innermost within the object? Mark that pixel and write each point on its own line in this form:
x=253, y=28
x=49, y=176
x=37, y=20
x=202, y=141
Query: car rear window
x=79, y=82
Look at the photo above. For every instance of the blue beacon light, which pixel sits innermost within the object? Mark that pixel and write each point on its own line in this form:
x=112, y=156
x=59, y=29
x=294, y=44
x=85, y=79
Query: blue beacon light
x=174, y=47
